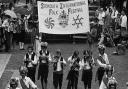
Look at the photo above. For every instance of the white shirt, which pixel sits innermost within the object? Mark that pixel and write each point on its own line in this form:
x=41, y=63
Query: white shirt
x=71, y=61
x=6, y=25
x=59, y=64
x=28, y=82
x=44, y=54
x=86, y=65
x=124, y=21
x=100, y=18
x=35, y=61
x=105, y=57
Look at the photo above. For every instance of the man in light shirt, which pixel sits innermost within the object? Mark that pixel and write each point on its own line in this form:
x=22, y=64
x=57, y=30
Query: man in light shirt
x=100, y=18
x=5, y=25
x=58, y=65
x=123, y=25
x=30, y=61
x=24, y=82
x=102, y=62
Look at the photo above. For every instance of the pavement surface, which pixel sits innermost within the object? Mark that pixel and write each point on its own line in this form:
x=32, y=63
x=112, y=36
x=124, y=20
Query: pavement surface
x=16, y=60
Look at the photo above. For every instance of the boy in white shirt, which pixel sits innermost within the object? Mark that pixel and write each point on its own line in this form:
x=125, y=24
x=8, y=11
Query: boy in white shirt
x=58, y=66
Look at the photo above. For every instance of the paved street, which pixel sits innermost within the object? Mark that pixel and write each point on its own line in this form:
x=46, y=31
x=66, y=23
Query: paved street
x=120, y=63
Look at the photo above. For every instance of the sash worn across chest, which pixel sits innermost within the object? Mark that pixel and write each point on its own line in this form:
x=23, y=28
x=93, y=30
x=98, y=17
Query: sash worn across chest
x=100, y=58
x=23, y=85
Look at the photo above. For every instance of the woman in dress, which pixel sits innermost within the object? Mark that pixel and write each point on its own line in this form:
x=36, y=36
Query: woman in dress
x=87, y=65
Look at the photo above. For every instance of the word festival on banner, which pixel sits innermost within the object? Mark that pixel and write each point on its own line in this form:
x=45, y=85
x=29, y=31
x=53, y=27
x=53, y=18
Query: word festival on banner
x=70, y=17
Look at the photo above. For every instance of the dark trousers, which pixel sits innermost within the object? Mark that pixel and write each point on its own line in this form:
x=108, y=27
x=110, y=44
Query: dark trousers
x=31, y=73
x=43, y=74
x=2, y=38
x=57, y=80
x=87, y=78
x=73, y=80
x=44, y=77
x=99, y=31
x=7, y=41
x=100, y=74
x=124, y=33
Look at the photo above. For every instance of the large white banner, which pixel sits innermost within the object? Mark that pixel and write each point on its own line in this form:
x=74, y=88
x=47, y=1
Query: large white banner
x=68, y=17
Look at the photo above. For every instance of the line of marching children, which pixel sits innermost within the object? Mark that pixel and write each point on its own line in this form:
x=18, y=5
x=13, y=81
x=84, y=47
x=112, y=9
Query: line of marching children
x=44, y=59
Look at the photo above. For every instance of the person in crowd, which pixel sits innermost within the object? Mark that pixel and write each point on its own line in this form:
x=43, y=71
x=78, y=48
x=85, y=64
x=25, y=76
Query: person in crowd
x=22, y=32
x=1, y=34
x=73, y=74
x=30, y=61
x=93, y=31
x=58, y=66
x=87, y=65
x=108, y=19
x=121, y=48
x=14, y=32
x=117, y=36
x=11, y=28
x=114, y=15
x=123, y=25
x=118, y=21
x=109, y=82
x=44, y=59
x=5, y=25
x=101, y=17
x=102, y=62
x=13, y=84
x=26, y=17
x=90, y=40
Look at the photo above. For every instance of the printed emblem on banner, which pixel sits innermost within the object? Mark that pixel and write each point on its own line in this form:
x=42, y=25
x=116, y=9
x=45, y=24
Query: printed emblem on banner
x=77, y=21
x=63, y=19
x=49, y=23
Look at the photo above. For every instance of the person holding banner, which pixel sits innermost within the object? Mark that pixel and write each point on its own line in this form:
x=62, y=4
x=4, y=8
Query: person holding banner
x=44, y=59
x=73, y=74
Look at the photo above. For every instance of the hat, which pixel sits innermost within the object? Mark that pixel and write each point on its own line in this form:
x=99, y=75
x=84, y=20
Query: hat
x=101, y=47
x=23, y=70
x=44, y=44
